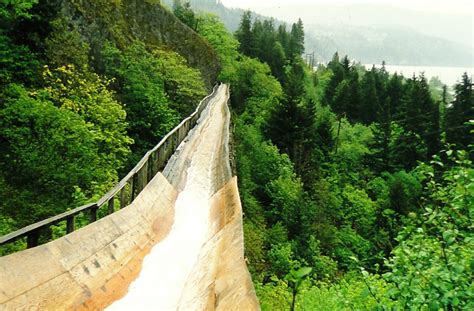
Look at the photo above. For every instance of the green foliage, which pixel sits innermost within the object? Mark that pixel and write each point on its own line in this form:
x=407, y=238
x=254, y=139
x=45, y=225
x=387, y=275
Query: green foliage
x=275, y=47
x=142, y=91
x=352, y=293
x=274, y=295
x=65, y=135
x=432, y=266
x=65, y=46
x=86, y=94
x=353, y=144
x=348, y=190
x=225, y=45
x=155, y=87
x=296, y=43
x=17, y=63
x=459, y=114
x=252, y=82
x=255, y=243
x=281, y=259
x=404, y=192
x=184, y=12
x=295, y=278
x=183, y=85
x=13, y=9
x=53, y=149
x=244, y=34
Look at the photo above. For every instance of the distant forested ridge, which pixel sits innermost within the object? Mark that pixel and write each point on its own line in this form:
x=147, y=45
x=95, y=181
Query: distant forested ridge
x=395, y=44
x=356, y=185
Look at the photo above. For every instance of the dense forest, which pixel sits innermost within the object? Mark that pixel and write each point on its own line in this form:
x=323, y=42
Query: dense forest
x=357, y=185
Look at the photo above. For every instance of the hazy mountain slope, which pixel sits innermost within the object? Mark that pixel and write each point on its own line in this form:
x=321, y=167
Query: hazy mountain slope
x=148, y=21
x=437, y=41
x=454, y=27
x=397, y=46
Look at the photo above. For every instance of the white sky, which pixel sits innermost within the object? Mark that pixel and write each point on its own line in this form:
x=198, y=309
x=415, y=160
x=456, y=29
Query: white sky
x=445, y=6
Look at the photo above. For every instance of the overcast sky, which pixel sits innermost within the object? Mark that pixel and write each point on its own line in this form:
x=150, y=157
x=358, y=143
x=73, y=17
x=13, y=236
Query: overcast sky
x=446, y=6
x=448, y=19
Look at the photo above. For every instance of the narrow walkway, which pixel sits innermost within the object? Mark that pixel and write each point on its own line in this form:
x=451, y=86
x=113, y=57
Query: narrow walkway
x=168, y=266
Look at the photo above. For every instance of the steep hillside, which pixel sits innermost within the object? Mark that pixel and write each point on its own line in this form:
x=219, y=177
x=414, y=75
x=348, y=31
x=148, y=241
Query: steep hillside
x=127, y=20
x=90, y=86
x=231, y=17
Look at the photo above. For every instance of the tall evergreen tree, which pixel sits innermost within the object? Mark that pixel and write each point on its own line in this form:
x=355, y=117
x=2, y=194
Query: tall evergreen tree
x=334, y=62
x=293, y=85
x=277, y=61
x=183, y=11
x=346, y=98
x=420, y=114
x=283, y=38
x=296, y=42
x=459, y=113
x=291, y=123
x=370, y=102
x=245, y=36
x=337, y=77
x=395, y=94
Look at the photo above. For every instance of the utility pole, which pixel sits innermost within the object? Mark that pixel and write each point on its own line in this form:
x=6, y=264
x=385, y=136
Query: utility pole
x=339, y=130
x=310, y=60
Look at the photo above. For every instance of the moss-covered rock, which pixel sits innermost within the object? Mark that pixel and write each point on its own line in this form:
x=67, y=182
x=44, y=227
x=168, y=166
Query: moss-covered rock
x=123, y=21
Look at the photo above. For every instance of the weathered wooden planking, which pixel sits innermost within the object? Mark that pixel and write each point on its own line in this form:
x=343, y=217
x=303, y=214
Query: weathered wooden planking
x=92, y=266
x=220, y=279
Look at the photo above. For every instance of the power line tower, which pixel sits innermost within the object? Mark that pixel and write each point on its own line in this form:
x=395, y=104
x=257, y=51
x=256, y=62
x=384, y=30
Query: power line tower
x=310, y=60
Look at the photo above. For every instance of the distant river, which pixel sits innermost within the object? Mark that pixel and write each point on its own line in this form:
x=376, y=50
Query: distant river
x=447, y=75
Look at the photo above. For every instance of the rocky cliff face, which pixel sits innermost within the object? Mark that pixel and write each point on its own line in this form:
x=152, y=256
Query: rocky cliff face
x=122, y=21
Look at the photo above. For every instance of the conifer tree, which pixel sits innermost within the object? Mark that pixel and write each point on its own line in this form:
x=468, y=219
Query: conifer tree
x=459, y=113
x=395, y=94
x=283, y=38
x=336, y=78
x=420, y=116
x=370, y=102
x=346, y=99
x=292, y=121
x=183, y=11
x=277, y=61
x=296, y=43
x=334, y=62
x=245, y=35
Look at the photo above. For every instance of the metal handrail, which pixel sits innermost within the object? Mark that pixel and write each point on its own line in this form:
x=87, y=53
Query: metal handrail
x=150, y=164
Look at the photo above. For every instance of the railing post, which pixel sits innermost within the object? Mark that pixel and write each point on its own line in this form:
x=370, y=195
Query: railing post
x=93, y=214
x=70, y=224
x=139, y=181
x=156, y=162
x=176, y=140
x=151, y=167
x=32, y=239
x=133, y=186
x=144, y=176
x=111, y=205
x=123, y=199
